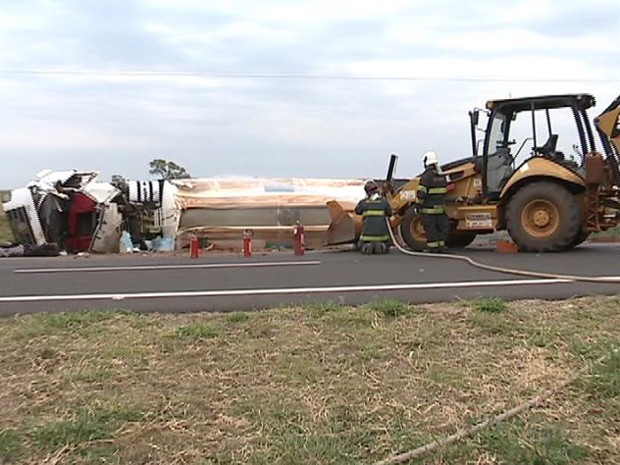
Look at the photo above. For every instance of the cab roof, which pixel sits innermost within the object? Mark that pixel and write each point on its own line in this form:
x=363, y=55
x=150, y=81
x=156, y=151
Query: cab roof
x=581, y=101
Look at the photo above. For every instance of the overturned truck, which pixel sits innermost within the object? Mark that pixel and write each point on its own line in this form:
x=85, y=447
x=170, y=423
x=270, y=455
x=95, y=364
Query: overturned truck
x=221, y=209
x=73, y=211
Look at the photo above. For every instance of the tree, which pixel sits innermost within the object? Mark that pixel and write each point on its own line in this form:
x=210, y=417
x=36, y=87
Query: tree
x=167, y=169
x=118, y=180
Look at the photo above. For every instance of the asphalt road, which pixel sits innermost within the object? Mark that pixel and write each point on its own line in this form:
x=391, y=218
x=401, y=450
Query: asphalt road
x=231, y=282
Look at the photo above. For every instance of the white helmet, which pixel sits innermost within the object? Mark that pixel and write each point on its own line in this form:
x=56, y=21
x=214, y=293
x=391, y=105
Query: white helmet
x=430, y=158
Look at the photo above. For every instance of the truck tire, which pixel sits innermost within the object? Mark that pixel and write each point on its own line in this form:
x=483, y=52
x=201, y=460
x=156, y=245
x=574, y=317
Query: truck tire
x=412, y=230
x=543, y=217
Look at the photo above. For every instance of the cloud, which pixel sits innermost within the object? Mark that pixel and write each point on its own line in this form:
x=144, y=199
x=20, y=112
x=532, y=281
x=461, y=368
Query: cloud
x=316, y=88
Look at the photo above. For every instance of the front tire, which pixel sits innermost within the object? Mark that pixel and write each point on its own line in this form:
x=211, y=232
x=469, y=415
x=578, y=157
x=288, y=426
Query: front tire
x=412, y=230
x=543, y=217
x=460, y=240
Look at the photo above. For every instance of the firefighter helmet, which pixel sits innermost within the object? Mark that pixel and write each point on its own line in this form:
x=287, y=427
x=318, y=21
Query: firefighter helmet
x=430, y=158
x=371, y=187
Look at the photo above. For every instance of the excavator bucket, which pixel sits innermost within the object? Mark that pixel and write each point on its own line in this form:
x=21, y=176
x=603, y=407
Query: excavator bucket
x=608, y=126
x=342, y=229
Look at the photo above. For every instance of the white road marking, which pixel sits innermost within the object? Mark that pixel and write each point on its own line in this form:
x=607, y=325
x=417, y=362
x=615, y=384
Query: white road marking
x=611, y=279
x=163, y=267
x=282, y=291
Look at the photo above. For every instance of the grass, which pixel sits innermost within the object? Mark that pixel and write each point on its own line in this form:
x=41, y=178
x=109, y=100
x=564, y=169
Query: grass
x=320, y=309
x=11, y=444
x=611, y=232
x=489, y=305
x=5, y=231
x=316, y=384
x=198, y=330
x=604, y=381
x=84, y=428
x=519, y=443
x=391, y=308
x=237, y=317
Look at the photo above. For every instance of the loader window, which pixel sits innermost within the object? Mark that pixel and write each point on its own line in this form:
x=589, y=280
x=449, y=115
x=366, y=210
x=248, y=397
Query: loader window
x=556, y=137
x=499, y=160
x=496, y=134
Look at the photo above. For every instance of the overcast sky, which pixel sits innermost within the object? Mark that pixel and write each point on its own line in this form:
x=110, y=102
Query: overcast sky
x=325, y=88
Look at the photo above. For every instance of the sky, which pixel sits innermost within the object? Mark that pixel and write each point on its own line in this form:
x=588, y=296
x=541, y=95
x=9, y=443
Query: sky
x=270, y=88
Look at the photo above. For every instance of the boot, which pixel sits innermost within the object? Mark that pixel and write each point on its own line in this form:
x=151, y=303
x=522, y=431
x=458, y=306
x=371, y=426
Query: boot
x=367, y=248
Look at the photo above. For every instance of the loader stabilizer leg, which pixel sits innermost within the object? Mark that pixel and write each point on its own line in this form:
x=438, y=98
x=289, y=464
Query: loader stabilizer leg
x=342, y=228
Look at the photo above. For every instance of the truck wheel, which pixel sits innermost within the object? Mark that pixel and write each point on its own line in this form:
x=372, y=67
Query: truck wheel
x=460, y=240
x=543, y=217
x=412, y=230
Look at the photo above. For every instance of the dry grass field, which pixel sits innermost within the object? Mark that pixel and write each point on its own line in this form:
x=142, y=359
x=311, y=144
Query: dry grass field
x=322, y=384
x=5, y=231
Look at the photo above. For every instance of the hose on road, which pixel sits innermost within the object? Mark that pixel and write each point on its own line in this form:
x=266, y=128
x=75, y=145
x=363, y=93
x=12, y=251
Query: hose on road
x=500, y=269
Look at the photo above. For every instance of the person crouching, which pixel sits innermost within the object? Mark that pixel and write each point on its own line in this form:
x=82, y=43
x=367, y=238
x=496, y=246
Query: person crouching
x=375, y=210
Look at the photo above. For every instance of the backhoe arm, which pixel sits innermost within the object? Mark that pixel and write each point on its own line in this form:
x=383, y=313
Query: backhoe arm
x=608, y=126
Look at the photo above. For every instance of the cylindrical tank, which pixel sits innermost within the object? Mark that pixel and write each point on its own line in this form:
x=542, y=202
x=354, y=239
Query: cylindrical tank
x=146, y=191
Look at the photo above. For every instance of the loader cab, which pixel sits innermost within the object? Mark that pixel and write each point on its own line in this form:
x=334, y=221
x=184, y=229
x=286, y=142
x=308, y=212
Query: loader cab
x=555, y=127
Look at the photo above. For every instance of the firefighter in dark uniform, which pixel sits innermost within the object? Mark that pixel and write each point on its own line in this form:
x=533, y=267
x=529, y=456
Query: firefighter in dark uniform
x=430, y=199
x=374, y=209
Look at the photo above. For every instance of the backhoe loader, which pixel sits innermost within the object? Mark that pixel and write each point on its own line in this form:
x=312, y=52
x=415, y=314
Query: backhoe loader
x=547, y=198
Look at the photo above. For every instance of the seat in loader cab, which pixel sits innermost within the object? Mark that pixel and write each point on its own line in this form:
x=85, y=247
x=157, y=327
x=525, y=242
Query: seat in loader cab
x=548, y=149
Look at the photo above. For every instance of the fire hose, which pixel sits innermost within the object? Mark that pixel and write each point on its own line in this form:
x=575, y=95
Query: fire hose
x=499, y=269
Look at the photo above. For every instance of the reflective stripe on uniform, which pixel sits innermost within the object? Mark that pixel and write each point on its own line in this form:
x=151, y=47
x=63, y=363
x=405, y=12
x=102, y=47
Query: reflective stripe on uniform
x=433, y=245
x=373, y=213
x=436, y=210
x=422, y=188
x=438, y=190
x=367, y=238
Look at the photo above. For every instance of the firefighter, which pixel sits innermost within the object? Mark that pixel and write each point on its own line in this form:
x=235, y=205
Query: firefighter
x=430, y=203
x=374, y=209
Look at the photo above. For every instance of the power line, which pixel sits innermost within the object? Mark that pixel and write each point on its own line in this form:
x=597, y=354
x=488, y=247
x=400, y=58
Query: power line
x=329, y=77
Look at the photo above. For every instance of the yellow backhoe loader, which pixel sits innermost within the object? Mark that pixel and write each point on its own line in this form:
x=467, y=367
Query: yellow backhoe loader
x=547, y=198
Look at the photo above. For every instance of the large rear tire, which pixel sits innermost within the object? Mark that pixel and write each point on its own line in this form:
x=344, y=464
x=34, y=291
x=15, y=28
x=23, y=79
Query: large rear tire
x=581, y=236
x=543, y=217
x=412, y=230
x=459, y=240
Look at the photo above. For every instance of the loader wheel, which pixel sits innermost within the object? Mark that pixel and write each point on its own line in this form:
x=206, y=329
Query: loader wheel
x=581, y=236
x=543, y=217
x=412, y=230
x=460, y=240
